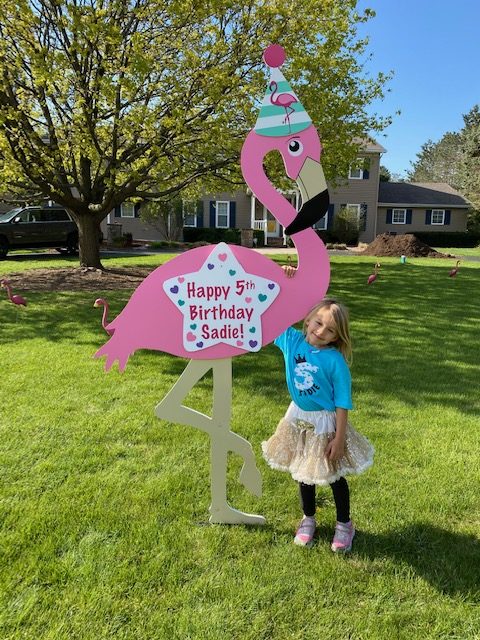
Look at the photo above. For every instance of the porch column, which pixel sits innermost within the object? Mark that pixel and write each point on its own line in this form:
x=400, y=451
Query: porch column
x=253, y=201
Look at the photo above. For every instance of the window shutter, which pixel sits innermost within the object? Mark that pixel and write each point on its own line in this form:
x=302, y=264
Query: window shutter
x=409, y=217
x=366, y=169
x=388, y=219
x=233, y=214
x=212, y=214
x=330, y=214
x=428, y=216
x=118, y=211
x=363, y=216
x=199, y=213
x=136, y=210
x=447, y=216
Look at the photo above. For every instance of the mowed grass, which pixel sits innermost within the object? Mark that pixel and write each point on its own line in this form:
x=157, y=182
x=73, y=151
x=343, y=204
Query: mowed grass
x=104, y=507
x=463, y=251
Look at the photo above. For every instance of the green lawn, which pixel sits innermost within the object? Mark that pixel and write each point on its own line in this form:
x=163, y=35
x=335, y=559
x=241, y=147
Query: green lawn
x=104, y=507
x=461, y=251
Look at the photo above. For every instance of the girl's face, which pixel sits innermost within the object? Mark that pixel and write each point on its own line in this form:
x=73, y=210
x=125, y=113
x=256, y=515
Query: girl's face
x=320, y=329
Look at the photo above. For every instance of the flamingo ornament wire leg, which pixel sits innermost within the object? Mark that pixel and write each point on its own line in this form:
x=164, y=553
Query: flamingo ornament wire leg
x=222, y=438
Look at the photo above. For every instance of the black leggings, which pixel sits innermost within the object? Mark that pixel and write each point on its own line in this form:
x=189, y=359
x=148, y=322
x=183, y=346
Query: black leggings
x=341, y=496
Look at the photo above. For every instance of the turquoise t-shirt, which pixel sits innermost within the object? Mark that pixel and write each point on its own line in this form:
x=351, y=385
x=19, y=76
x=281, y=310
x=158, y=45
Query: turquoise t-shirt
x=316, y=378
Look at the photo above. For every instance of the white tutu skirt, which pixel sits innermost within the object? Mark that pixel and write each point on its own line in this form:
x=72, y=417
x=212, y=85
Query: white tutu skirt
x=299, y=442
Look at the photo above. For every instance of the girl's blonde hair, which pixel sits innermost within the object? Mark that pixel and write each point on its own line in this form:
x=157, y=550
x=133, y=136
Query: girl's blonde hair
x=342, y=325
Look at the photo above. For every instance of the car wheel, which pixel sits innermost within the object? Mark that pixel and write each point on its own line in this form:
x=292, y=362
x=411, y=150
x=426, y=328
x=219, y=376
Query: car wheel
x=3, y=247
x=72, y=244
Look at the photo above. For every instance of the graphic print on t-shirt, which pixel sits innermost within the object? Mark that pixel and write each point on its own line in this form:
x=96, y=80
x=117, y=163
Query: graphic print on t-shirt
x=303, y=370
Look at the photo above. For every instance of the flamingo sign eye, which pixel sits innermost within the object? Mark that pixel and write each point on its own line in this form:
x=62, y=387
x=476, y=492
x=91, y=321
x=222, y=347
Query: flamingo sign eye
x=295, y=147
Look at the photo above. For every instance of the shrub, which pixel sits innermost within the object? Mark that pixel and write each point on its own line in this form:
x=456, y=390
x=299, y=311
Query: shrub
x=448, y=238
x=346, y=227
x=125, y=240
x=210, y=235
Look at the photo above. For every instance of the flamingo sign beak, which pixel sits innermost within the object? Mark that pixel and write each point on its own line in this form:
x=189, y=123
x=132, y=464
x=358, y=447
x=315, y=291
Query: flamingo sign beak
x=315, y=199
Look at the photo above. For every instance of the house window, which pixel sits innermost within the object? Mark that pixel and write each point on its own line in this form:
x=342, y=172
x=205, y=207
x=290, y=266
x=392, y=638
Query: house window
x=189, y=209
x=399, y=216
x=222, y=216
x=356, y=171
x=127, y=210
x=322, y=223
x=354, y=208
x=438, y=216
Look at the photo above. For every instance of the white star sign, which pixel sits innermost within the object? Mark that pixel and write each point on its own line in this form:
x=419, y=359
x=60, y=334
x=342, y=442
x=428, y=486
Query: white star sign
x=221, y=303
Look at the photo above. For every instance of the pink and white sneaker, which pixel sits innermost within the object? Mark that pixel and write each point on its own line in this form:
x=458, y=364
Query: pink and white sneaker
x=342, y=540
x=305, y=532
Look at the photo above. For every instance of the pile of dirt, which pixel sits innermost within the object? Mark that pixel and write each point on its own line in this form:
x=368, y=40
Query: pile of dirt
x=401, y=245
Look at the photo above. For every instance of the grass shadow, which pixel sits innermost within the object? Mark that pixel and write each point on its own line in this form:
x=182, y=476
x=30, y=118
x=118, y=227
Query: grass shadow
x=449, y=561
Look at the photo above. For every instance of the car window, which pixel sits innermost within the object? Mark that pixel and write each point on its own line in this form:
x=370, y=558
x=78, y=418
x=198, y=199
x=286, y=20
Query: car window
x=9, y=215
x=55, y=215
x=37, y=215
x=29, y=215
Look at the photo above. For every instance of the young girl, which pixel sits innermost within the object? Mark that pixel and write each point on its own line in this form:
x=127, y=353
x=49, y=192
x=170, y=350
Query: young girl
x=314, y=441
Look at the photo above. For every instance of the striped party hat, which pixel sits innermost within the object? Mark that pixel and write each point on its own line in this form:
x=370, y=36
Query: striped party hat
x=281, y=112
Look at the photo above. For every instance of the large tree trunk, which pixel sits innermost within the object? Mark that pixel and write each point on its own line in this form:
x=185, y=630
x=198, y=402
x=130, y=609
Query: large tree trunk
x=89, y=240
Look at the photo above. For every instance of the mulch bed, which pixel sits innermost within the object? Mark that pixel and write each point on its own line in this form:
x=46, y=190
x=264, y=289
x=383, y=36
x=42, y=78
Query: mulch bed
x=402, y=245
x=77, y=279
x=82, y=279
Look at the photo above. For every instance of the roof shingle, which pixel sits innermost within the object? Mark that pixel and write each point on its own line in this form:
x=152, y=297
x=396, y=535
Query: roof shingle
x=420, y=193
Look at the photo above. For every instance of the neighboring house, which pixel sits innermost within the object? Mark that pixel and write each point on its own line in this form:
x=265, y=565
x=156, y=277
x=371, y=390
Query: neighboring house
x=381, y=206
x=406, y=207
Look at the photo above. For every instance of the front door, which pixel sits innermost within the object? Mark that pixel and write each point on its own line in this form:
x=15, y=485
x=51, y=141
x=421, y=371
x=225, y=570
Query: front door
x=273, y=228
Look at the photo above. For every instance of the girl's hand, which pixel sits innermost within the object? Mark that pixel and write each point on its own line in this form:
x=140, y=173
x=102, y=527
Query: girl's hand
x=335, y=449
x=289, y=270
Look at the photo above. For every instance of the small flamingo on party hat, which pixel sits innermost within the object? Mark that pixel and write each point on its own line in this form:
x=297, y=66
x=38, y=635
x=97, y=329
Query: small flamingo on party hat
x=15, y=298
x=373, y=276
x=454, y=271
x=100, y=302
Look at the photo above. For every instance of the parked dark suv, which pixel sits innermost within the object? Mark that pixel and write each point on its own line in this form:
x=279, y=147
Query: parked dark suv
x=41, y=226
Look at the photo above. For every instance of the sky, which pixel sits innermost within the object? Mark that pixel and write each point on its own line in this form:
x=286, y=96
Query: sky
x=433, y=47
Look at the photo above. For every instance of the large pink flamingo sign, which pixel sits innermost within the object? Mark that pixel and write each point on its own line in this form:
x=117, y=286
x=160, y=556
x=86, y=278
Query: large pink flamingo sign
x=221, y=303
x=212, y=303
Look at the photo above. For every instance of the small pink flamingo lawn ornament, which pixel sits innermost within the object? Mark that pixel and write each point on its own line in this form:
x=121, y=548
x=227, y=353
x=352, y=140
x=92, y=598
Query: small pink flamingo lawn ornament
x=100, y=302
x=373, y=276
x=151, y=321
x=454, y=271
x=16, y=299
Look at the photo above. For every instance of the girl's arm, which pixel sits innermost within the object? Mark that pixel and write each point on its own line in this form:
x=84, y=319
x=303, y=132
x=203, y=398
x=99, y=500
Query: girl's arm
x=335, y=449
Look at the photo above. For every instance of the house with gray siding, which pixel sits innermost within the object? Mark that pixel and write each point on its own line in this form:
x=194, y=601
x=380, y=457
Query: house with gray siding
x=381, y=206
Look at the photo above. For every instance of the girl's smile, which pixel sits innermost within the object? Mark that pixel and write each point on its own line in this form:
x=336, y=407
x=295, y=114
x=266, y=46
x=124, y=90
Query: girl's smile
x=321, y=330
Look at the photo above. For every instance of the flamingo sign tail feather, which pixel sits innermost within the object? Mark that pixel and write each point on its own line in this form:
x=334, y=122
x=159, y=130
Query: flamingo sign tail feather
x=114, y=353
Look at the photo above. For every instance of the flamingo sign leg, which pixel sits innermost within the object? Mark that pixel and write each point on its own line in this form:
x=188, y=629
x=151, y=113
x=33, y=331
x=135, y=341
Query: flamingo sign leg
x=222, y=438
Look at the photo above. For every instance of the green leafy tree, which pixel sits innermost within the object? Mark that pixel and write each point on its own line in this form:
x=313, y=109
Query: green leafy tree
x=106, y=101
x=439, y=161
x=470, y=163
x=166, y=216
x=385, y=175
